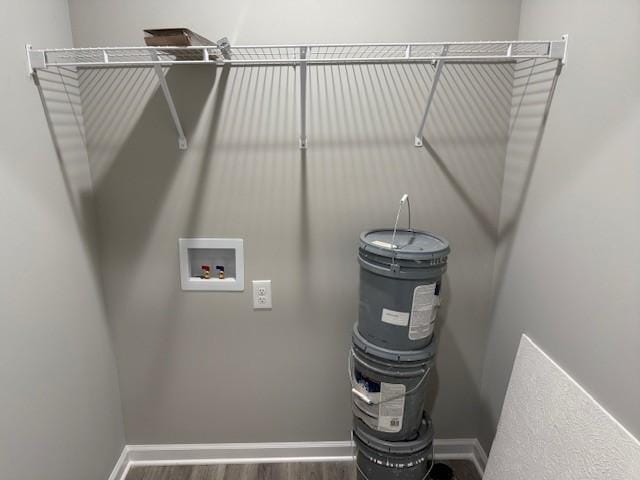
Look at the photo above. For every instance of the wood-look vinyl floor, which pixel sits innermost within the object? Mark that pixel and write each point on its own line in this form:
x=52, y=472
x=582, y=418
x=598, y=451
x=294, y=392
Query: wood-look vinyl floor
x=464, y=470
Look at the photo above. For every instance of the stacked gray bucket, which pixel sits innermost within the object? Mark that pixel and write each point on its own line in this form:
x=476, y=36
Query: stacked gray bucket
x=393, y=351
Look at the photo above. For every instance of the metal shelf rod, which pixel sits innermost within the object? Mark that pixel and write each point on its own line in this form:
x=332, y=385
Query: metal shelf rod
x=319, y=45
x=182, y=139
x=302, y=56
x=303, y=97
x=283, y=63
x=417, y=141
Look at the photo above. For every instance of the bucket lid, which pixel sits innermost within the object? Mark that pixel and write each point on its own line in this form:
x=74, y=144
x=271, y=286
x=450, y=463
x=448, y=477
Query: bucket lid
x=422, y=441
x=421, y=355
x=411, y=244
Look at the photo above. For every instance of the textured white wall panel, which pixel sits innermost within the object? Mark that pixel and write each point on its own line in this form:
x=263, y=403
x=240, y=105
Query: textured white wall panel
x=551, y=428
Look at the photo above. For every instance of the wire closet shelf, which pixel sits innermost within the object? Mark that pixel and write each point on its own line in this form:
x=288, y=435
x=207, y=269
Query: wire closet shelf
x=301, y=56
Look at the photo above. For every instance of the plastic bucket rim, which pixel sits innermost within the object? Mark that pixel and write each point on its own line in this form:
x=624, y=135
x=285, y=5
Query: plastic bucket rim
x=418, y=356
x=397, y=447
x=399, y=370
x=431, y=273
x=412, y=460
x=398, y=253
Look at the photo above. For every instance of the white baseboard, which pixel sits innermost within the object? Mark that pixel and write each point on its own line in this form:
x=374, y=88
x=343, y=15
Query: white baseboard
x=462, y=449
x=200, y=454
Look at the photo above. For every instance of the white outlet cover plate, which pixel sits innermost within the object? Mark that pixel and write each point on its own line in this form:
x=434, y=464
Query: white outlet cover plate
x=228, y=284
x=262, y=294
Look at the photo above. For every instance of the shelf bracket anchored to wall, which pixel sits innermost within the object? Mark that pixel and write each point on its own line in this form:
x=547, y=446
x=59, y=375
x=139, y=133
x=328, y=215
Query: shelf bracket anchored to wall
x=303, y=96
x=35, y=59
x=182, y=140
x=436, y=79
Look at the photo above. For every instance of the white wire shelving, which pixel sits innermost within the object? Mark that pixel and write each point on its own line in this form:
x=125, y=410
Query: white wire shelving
x=300, y=56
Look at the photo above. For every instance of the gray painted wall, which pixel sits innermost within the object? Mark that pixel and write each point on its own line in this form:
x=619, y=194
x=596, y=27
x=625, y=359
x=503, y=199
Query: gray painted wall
x=204, y=367
x=567, y=269
x=60, y=413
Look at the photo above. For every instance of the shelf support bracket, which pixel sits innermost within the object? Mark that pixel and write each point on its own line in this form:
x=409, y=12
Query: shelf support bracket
x=182, y=140
x=303, y=96
x=417, y=141
x=558, y=49
x=225, y=47
x=35, y=60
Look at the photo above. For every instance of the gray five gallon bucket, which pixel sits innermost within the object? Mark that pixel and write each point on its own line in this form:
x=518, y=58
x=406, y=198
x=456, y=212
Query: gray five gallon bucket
x=400, y=286
x=388, y=387
x=383, y=460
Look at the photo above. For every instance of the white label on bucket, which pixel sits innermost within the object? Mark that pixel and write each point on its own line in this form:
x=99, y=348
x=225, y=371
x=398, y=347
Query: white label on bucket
x=423, y=311
x=386, y=410
x=391, y=407
x=395, y=318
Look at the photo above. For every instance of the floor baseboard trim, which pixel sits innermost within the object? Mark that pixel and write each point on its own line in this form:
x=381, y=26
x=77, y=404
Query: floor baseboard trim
x=199, y=454
x=462, y=449
x=480, y=457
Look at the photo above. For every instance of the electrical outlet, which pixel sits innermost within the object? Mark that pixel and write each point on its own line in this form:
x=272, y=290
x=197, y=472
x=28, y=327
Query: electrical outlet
x=261, y=294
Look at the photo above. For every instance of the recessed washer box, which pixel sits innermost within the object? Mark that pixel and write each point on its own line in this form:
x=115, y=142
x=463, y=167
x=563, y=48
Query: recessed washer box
x=213, y=252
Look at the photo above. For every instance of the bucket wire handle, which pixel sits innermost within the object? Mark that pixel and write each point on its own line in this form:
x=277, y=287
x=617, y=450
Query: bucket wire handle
x=354, y=448
x=360, y=394
x=394, y=247
x=426, y=475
